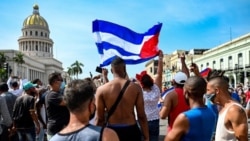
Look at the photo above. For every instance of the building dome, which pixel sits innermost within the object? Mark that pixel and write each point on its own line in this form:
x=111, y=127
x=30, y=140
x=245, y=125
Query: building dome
x=35, y=19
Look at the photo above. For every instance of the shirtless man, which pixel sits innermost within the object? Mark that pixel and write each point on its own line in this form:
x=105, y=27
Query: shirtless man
x=232, y=122
x=123, y=120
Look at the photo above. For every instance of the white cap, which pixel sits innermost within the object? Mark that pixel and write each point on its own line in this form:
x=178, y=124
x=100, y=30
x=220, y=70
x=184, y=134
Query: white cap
x=180, y=78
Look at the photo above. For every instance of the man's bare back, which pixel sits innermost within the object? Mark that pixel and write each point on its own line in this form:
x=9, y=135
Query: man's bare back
x=123, y=120
x=106, y=96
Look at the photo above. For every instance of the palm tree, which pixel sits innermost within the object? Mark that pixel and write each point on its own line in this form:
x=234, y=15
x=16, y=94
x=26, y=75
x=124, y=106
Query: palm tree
x=70, y=71
x=19, y=60
x=77, y=68
x=3, y=73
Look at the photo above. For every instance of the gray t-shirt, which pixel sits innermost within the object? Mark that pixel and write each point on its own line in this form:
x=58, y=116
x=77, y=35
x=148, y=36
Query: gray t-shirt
x=87, y=133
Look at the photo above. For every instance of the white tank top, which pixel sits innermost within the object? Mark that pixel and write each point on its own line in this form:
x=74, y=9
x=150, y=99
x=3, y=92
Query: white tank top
x=222, y=133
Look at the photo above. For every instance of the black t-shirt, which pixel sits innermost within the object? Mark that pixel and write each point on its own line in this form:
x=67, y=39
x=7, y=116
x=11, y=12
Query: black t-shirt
x=58, y=116
x=21, y=111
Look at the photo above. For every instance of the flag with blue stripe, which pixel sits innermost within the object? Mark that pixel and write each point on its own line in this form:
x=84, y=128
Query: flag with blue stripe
x=116, y=40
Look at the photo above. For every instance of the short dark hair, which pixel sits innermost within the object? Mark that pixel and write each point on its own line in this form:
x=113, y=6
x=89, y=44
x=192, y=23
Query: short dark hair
x=14, y=84
x=3, y=87
x=218, y=79
x=53, y=77
x=77, y=93
x=35, y=81
x=196, y=86
x=117, y=61
x=215, y=74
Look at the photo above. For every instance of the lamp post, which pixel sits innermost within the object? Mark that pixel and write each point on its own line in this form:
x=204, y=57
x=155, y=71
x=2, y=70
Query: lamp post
x=236, y=69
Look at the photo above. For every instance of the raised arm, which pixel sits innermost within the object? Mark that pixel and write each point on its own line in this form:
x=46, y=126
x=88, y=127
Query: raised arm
x=184, y=67
x=158, y=79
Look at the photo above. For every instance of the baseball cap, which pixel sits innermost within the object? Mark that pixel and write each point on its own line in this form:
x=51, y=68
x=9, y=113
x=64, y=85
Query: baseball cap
x=28, y=85
x=180, y=78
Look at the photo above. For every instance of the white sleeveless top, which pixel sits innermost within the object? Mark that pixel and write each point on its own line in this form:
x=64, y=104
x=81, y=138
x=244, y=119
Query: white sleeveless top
x=222, y=133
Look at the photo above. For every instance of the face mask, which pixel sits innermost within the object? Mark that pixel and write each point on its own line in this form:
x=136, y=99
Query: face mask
x=210, y=96
x=62, y=86
x=92, y=115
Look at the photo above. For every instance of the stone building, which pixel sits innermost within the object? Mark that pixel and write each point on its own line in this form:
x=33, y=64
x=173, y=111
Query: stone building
x=37, y=46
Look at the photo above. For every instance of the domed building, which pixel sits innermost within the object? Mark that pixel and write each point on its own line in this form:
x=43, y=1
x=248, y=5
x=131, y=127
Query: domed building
x=37, y=48
x=35, y=40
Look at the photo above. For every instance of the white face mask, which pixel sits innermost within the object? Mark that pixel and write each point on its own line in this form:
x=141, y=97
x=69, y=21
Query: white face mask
x=210, y=96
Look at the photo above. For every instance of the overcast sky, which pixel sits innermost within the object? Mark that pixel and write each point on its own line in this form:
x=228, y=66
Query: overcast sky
x=187, y=24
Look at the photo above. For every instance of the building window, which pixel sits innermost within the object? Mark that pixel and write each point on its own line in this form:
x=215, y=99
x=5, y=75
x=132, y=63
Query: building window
x=26, y=33
x=41, y=33
x=240, y=60
x=207, y=64
x=230, y=62
x=36, y=33
x=151, y=70
x=30, y=33
x=214, y=63
x=201, y=66
x=221, y=64
x=45, y=34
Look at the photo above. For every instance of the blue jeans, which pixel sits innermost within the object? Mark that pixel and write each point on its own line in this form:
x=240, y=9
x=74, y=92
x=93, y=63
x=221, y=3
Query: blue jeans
x=40, y=136
x=27, y=134
x=154, y=130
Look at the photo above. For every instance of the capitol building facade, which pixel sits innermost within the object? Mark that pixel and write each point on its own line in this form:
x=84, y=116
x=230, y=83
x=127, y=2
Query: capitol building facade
x=37, y=47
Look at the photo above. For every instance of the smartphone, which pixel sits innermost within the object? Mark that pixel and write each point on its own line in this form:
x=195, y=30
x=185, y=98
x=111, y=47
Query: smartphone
x=98, y=69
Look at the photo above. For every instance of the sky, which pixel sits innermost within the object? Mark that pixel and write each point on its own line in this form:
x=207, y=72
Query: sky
x=187, y=24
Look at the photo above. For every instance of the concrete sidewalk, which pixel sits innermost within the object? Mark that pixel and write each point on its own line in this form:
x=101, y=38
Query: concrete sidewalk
x=163, y=129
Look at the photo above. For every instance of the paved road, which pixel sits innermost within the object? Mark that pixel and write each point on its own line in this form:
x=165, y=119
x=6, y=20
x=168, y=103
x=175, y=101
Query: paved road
x=163, y=128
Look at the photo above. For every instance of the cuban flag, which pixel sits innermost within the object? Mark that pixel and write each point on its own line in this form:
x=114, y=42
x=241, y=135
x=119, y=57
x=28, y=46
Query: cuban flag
x=205, y=72
x=164, y=94
x=116, y=40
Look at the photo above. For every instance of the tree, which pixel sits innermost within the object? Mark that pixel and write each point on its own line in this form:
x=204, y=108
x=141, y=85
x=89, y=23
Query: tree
x=2, y=59
x=19, y=60
x=70, y=71
x=3, y=71
x=77, y=68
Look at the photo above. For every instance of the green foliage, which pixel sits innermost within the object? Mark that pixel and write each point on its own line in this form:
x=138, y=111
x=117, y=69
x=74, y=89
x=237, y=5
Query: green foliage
x=75, y=69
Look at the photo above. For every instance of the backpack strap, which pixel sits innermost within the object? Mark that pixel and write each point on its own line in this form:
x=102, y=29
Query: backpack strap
x=112, y=109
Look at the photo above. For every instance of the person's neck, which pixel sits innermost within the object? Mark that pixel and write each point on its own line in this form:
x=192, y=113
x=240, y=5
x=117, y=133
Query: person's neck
x=76, y=122
x=225, y=100
x=117, y=76
x=196, y=103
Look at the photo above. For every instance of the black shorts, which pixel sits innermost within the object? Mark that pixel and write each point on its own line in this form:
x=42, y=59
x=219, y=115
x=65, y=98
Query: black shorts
x=127, y=133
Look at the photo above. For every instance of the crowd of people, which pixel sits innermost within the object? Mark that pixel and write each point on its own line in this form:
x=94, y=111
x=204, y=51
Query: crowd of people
x=127, y=109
